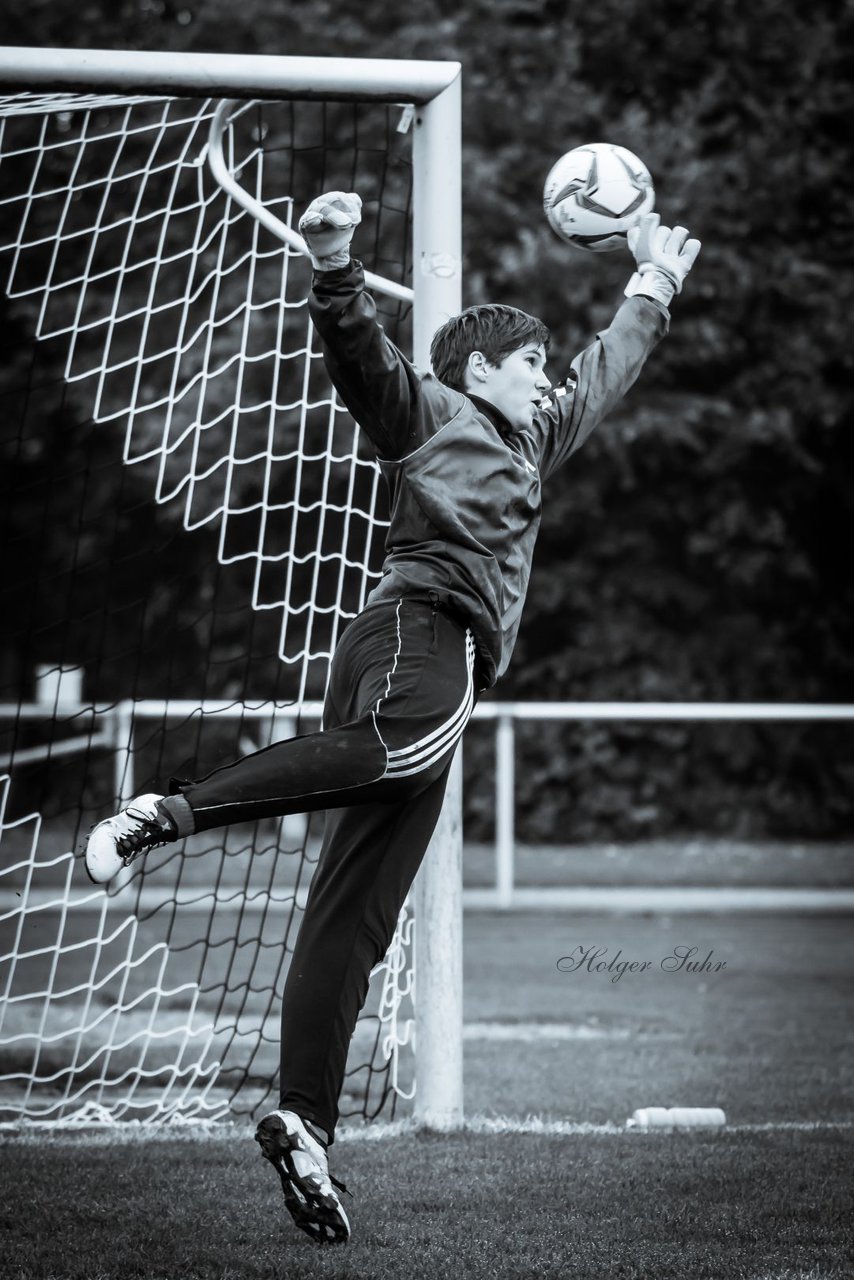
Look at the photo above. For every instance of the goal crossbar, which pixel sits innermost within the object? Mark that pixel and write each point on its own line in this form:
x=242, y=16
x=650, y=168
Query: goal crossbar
x=219, y=75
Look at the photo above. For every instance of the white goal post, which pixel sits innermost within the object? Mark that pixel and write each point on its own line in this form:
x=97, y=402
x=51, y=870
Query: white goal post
x=428, y=94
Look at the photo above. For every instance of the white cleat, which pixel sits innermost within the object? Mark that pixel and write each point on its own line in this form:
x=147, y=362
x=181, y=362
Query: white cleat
x=115, y=842
x=301, y=1163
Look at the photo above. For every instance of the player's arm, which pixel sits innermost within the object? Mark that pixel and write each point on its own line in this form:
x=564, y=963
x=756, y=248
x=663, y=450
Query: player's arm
x=384, y=392
x=602, y=374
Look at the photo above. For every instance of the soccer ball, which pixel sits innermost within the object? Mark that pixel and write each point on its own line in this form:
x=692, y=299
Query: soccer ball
x=595, y=193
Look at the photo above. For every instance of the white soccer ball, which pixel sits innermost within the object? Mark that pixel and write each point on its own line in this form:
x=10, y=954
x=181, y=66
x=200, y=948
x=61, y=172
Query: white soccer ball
x=595, y=193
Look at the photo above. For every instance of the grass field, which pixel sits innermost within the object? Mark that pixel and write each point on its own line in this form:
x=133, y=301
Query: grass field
x=767, y=1038
x=722, y=1206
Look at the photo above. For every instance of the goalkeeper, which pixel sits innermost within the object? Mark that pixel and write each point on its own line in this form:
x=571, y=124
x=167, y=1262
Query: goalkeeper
x=464, y=451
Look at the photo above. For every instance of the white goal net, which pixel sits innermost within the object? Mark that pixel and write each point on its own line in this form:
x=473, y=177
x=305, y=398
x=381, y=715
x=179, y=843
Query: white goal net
x=191, y=520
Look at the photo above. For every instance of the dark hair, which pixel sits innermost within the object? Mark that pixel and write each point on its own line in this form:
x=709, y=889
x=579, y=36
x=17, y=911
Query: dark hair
x=494, y=329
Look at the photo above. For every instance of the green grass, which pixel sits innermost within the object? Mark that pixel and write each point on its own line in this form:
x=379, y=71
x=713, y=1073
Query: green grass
x=716, y=1205
x=767, y=1038
x=695, y=862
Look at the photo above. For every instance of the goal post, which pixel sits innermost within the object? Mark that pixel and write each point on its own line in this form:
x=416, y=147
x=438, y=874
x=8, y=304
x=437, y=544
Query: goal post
x=437, y=271
x=164, y=378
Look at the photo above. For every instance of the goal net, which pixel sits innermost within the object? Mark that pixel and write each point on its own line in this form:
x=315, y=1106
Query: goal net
x=191, y=519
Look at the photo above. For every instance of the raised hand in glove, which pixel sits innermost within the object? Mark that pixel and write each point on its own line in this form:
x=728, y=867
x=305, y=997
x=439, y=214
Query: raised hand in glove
x=664, y=256
x=327, y=227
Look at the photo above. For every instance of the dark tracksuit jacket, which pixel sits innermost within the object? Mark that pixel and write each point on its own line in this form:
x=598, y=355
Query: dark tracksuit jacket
x=465, y=486
x=438, y=628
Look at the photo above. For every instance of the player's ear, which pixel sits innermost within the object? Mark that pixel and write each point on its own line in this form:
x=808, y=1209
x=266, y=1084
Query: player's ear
x=476, y=367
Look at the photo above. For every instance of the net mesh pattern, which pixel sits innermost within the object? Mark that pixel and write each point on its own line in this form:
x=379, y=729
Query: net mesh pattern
x=190, y=519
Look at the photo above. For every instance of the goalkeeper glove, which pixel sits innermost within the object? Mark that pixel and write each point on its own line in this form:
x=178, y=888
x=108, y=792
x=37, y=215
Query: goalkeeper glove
x=327, y=227
x=664, y=258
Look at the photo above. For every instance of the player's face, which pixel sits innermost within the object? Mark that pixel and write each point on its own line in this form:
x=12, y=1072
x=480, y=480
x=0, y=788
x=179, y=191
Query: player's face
x=517, y=385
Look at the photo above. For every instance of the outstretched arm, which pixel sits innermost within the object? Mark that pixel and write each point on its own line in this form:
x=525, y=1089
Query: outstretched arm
x=602, y=374
x=397, y=407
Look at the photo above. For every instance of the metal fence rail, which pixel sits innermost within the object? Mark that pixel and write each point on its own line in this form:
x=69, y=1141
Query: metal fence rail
x=111, y=726
x=505, y=715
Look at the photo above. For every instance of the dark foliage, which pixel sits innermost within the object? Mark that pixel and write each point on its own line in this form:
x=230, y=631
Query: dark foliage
x=701, y=546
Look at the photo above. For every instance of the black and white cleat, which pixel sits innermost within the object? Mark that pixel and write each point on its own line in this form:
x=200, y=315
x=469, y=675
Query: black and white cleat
x=300, y=1161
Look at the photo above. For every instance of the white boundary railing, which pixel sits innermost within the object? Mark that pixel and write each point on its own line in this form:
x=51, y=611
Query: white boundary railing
x=112, y=727
x=505, y=715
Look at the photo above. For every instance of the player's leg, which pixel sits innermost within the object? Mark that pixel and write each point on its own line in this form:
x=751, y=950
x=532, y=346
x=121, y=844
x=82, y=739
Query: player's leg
x=352, y=763
x=369, y=858
x=380, y=731
x=297, y=775
x=368, y=861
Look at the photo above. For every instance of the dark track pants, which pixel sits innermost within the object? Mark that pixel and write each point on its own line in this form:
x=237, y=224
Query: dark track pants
x=401, y=691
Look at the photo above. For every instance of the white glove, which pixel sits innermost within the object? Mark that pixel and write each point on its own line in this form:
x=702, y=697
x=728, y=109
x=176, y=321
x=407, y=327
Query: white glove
x=664, y=258
x=327, y=227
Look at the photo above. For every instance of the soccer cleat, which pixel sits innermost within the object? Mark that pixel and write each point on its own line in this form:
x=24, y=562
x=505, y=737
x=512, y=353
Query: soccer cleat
x=300, y=1161
x=116, y=842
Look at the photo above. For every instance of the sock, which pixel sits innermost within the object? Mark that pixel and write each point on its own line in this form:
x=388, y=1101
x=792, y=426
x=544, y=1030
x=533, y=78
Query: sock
x=177, y=815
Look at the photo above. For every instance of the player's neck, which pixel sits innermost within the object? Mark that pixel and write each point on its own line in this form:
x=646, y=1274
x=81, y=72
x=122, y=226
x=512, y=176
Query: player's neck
x=496, y=417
